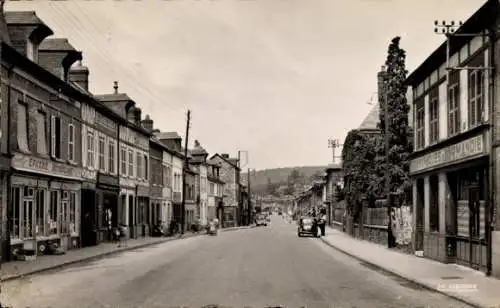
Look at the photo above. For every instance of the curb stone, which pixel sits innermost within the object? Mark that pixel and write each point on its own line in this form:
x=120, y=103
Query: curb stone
x=106, y=254
x=406, y=277
x=93, y=257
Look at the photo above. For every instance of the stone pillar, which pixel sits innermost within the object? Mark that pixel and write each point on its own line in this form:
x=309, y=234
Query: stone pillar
x=442, y=194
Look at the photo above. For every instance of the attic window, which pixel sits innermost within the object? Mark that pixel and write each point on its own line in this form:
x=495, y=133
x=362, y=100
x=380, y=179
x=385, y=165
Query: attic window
x=31, y=51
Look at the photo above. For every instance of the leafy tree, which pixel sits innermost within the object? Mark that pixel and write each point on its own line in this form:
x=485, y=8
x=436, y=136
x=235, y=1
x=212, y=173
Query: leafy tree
x=294, y=175
x=400, y=134
x=358, y=156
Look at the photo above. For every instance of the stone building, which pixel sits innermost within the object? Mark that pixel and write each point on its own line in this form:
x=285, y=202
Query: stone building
x=43, y=135
x=133, y=158
x=215, y=205
x=199, y=163
x=230, y=174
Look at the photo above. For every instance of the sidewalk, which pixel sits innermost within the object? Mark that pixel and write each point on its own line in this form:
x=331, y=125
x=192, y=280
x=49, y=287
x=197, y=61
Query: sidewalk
x=464, y=284
x=16, y=269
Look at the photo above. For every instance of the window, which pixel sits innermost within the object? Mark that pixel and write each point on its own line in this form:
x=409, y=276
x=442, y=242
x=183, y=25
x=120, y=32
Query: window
x=28, y=208
x=139, y=165
x=90, y=149
x=420, y=126
x=211, y=189
x=111, y=156
x=453, y=110
x=167, y=176
x=102, y=148
x=52, y=219
x=41, y=133
x=22, y=127
x=434, y=204
x=476, y=97
x=16, y=213
x=123, y=161
x=146, y=167
x=72, y=212
x=71, y=142
x=130, y=163
x=31, y=52
x=40, y=213
x=434, y=118
x=55, y=131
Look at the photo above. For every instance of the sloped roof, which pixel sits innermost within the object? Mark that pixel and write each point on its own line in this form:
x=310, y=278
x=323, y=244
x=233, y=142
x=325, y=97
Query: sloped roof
x=371, y=120
x=168, y=135
x=23, y=18
x=113, y=97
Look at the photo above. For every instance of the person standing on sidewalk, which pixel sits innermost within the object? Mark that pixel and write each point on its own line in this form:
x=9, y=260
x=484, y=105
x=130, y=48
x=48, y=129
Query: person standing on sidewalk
x=322, y=222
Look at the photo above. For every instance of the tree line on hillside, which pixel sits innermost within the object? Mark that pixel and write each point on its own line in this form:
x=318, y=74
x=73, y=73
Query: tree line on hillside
x=293, y=184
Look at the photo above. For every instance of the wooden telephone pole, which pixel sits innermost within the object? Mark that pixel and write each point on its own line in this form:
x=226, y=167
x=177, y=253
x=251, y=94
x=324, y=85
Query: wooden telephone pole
x=186, y=166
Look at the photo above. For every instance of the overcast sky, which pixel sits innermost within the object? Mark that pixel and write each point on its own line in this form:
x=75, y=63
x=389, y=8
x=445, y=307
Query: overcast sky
x=276, y=78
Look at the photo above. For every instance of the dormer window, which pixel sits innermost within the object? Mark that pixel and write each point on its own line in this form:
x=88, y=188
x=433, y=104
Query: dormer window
x=31, y=51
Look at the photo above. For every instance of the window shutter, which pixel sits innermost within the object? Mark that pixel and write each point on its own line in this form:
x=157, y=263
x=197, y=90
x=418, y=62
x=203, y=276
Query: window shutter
x=84, y=145
x=53, y=136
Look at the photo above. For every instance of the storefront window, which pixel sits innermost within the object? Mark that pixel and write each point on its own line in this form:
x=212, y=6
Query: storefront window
x=53, y=212
x=434, y=204
x=16, y=213
x=28, y=203
x=72, y=212
x=41, y=225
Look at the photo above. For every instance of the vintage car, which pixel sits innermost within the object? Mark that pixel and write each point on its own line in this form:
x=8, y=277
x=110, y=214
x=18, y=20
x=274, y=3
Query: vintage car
x=306, y=226
x=260, y=220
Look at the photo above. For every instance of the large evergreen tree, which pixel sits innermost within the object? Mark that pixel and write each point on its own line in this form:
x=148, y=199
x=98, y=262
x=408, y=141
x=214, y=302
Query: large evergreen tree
x=400, y=141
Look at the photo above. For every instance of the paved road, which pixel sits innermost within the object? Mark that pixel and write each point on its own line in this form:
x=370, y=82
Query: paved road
x=254, y=267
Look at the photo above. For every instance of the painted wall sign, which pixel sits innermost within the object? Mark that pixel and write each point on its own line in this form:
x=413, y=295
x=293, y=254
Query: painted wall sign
x=44, y=166
x=460, y=151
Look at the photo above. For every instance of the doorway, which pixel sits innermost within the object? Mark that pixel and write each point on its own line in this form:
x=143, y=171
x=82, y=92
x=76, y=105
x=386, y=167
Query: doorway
x=131, y=216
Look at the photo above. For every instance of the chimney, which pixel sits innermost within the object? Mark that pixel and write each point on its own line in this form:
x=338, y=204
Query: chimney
x=80, y=75
x=225, y=155
x=380, y=83
x=115, y=87
x=147, y=123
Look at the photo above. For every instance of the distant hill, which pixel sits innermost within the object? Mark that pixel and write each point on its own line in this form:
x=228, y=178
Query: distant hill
x=280, y=177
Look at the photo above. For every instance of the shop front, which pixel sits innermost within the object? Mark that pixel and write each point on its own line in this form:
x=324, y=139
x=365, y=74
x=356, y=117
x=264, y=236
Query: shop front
x=4, y=176
x=450, y=201
x=45, y=207
x=157, y=205
x=107, y=192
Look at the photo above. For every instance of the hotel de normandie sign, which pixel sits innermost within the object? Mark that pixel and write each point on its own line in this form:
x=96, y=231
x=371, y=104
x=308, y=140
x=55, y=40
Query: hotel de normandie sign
x=464, y=150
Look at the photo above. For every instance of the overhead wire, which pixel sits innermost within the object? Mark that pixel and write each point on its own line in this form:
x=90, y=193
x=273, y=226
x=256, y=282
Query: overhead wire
x=103, y=52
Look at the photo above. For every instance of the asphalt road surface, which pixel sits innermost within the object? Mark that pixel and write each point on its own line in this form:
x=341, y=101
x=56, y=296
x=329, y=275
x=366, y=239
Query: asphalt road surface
x=246, y=268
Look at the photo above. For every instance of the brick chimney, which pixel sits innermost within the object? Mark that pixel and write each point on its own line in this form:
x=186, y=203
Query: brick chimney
x=79, y=74
x=225, y=155
x=115, y=87
x=147, y=123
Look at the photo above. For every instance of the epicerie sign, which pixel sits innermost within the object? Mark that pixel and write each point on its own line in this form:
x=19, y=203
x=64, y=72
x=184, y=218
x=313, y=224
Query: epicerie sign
x=457, y=287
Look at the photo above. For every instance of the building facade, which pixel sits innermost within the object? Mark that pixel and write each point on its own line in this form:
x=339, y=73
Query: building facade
x=175, y=162
x=229, y=173
x=156, y=199
x=168, y=183
x=450, y=164
x=44, y=139
x=215, y=205
x=199, y=163
x=100, y=188
x=133, y=159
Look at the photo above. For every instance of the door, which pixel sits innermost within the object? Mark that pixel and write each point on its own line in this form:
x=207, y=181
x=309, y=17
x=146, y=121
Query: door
x=419, y=219
x=476, y=236
x=65, y=220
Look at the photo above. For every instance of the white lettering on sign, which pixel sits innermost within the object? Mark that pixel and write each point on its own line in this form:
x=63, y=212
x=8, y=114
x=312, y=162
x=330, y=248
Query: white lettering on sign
x=459, y=151
x=39, y=165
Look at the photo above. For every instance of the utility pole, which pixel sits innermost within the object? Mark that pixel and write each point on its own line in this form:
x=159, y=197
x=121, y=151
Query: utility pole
x=186, y=166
